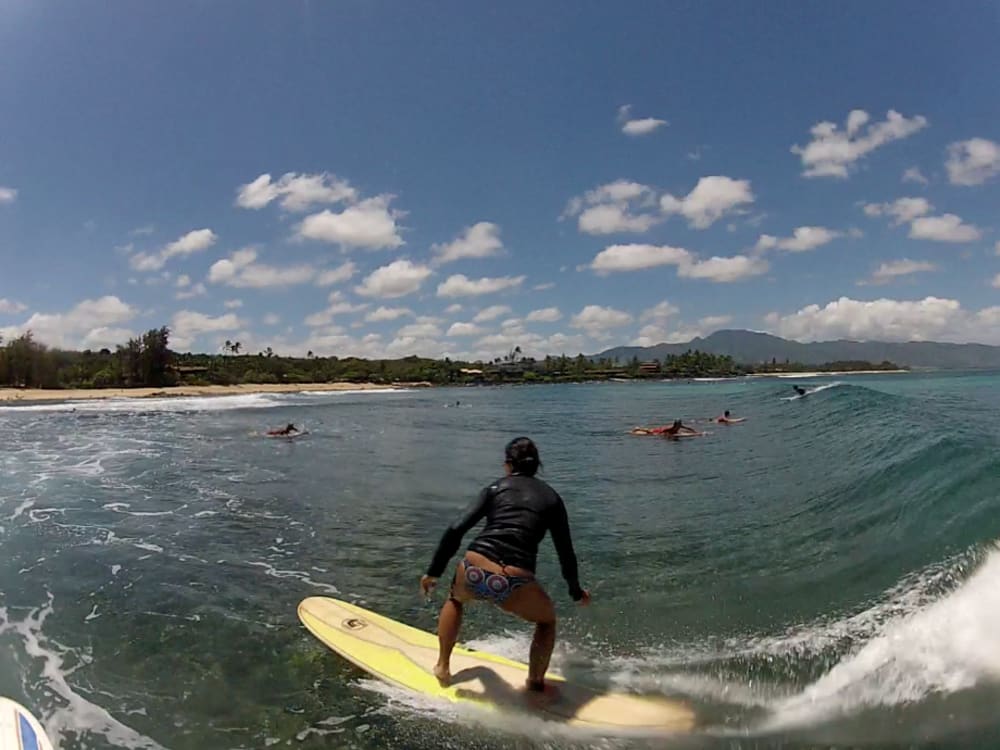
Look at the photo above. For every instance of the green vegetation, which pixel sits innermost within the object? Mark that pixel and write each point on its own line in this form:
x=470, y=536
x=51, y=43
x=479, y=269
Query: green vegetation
x=147, y=361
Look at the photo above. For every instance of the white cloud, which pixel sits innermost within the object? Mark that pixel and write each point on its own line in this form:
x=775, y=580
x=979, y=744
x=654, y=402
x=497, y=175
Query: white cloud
x=612, y=208
x=370, y=224
x=894, y=269
x=596, y=320
x=640, y=126
x=643, y=126
x=612, y=218
x=453, y=309
x=90, y=320
x=638, y=257
x=802, y=240
x=198, y=290
x=491, y=313
x=7, y=194
x=973, y=162
x=387, y=313
x=459, y=285
x=660, y=312
x=331, y=276
x=241, y=270
x=233, y=304
x=183, y=281
x=913, y=174
x=544, y=315
x=272, y=319
x=944, y=228
x=142, y=231
x=187, y=325
x=338, y=306
x=996, y=281
x=724, y=270
x=418, y=330
x=10, y=307
x=651, y=335
x=397, y=279
x=544, y=286
x=712, y=198
x=928, y=319
x=465, y=329
x=297, y=191
x=481, y=240
x=106, y=337
x=193, y=242
x=833, y=152
x=903, y=210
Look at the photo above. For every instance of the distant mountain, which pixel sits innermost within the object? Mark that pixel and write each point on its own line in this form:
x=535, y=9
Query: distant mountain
x=748, y=347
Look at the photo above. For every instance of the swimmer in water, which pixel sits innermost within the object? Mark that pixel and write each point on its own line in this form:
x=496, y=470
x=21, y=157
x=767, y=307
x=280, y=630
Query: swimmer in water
x=799, y=390
x=286, y=430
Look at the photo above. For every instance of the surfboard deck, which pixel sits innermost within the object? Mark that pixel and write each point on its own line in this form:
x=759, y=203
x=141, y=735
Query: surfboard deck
x=405, y=656
x=19, y=730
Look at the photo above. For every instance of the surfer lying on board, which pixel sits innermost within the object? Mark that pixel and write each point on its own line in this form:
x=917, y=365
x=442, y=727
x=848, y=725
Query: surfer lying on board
x=677, y=428
x=726, y=419
x=499, y=565
x=799, y=390
x=286, y=430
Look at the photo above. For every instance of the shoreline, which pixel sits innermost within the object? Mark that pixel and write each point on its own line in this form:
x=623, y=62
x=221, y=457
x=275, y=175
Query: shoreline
x=27, y=395
x=9, y=395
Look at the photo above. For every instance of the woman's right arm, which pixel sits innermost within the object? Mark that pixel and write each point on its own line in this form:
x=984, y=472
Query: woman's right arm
x=452, y=537
x=559, y=527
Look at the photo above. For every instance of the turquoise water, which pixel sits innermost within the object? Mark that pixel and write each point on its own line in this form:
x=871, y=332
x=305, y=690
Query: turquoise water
x=823, y=575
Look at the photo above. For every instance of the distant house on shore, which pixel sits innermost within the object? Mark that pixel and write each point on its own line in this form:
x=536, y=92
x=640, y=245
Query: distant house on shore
x=649, y=368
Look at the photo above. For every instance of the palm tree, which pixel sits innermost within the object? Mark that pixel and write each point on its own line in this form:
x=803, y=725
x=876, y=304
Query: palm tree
x=228, y=346
x=236, y=347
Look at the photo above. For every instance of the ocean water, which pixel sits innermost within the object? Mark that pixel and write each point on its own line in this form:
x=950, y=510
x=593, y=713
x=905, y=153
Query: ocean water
x=824, y=575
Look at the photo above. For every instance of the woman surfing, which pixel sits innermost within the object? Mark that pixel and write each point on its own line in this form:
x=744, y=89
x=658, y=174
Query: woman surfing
x=499, y=564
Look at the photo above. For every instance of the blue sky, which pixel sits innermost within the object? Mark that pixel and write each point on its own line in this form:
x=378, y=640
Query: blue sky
x=389, y=178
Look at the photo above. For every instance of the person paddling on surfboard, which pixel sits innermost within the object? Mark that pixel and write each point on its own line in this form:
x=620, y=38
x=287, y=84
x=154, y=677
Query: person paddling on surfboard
x=286, y=430
x=678, y=428
x=799, y=390
x=499, y=565
x=727, y=419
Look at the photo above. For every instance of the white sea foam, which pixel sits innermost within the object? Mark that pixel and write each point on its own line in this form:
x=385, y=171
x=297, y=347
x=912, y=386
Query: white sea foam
x=296, y=574
x=177, y=404
x=72, y=714
x=925, y=636
x=949, y=645
x=351, y=392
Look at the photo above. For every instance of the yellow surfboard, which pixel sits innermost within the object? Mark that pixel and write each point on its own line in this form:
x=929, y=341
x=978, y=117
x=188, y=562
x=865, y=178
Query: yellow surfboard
x=405, y=656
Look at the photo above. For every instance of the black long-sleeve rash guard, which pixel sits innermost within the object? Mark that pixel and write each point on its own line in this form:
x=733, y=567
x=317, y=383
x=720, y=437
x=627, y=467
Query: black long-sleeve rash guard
x=518, y=510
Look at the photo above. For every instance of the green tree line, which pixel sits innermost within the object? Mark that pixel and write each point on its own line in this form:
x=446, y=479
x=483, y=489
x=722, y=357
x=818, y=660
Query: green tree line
x=147, y=361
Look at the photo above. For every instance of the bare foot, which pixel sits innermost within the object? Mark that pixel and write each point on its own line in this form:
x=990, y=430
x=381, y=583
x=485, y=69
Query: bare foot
x=443, y=675
x=541, y=694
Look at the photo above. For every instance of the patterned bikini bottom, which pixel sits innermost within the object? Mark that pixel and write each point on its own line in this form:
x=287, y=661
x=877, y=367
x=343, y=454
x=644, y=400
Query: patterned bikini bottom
x=494, y=587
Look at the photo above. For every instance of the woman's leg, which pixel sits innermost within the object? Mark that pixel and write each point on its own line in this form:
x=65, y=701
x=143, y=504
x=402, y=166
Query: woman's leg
x=531, y=603
x=449, y=624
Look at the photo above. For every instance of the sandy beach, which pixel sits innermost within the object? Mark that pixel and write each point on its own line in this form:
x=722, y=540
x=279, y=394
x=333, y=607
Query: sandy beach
x=38, y=394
